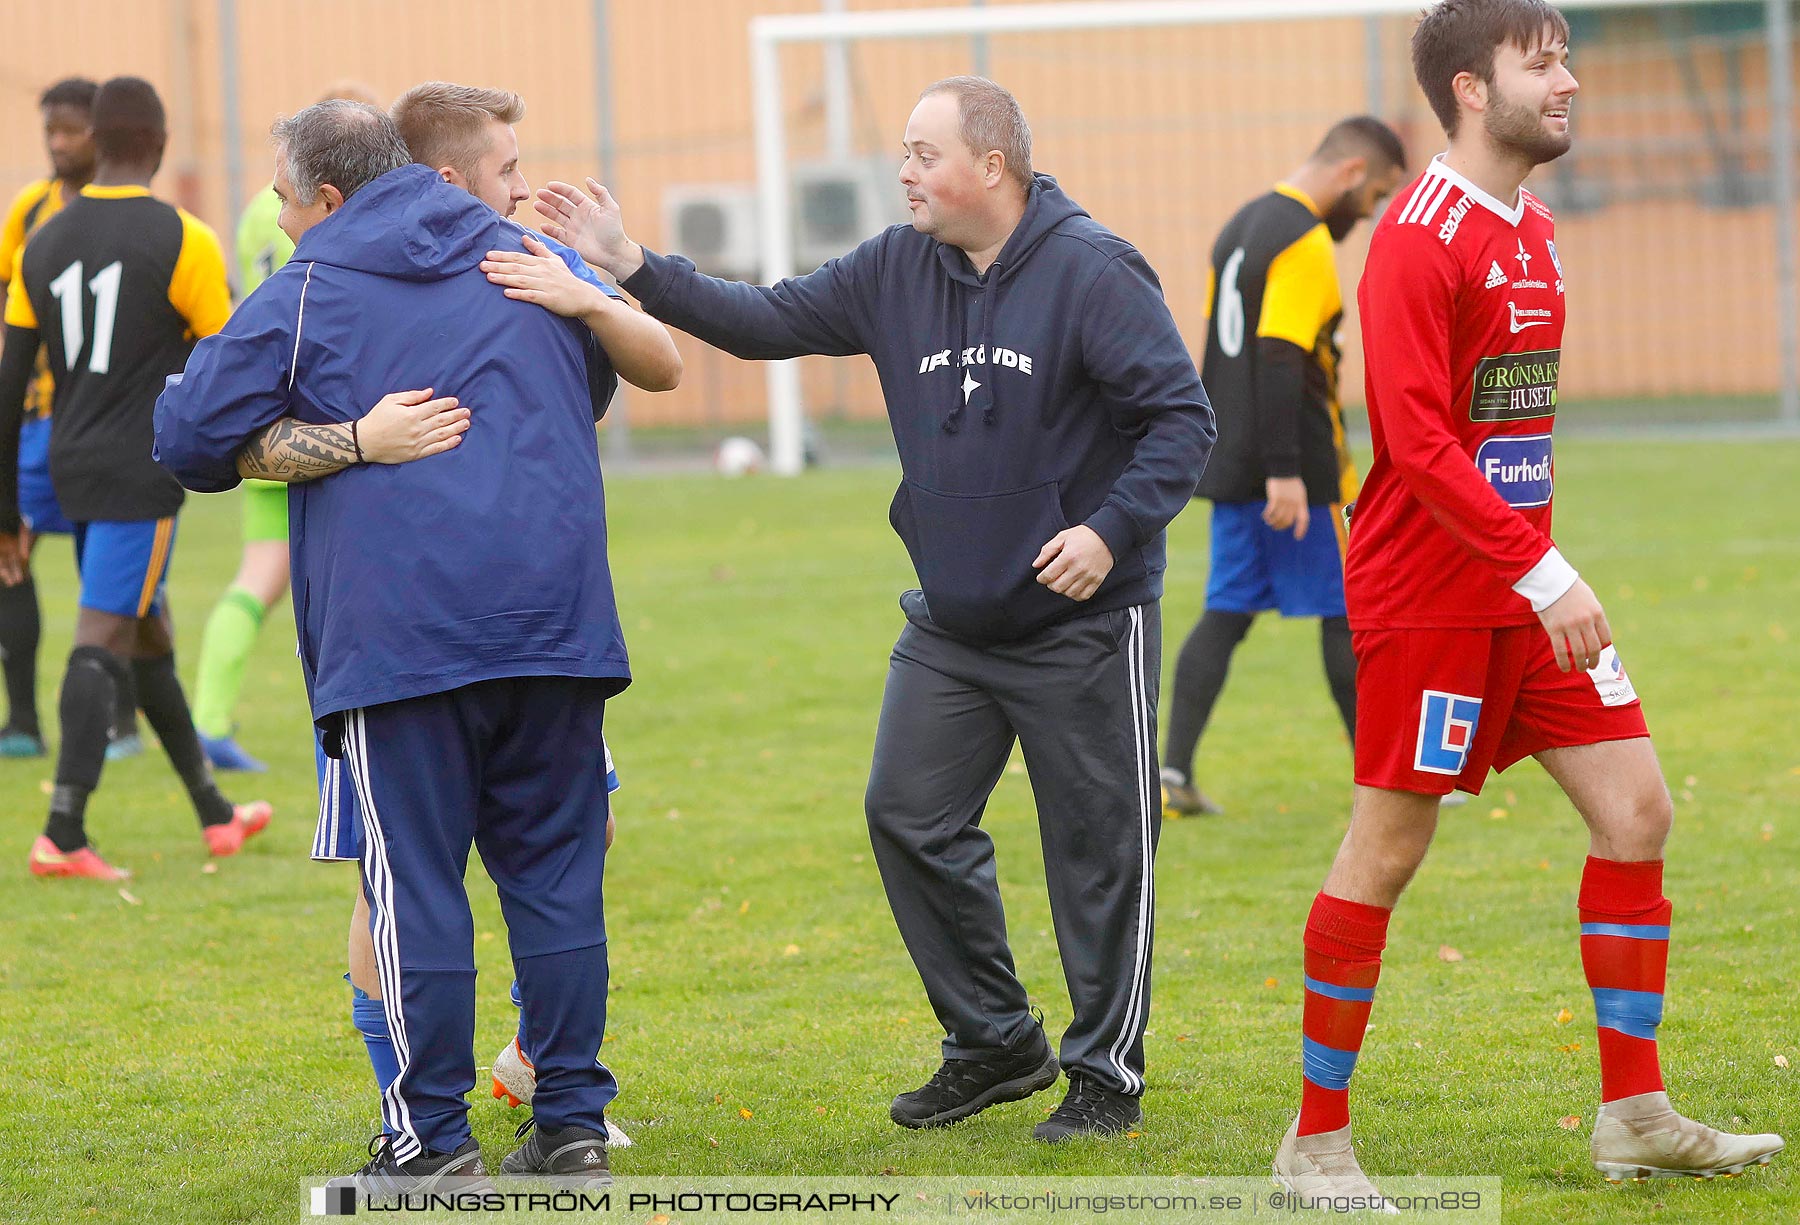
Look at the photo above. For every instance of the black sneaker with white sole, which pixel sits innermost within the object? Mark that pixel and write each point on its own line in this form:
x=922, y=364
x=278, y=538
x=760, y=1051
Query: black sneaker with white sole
x=573, y=1152
x=385, y=1176
x=1089, y=1109
x=962, y=1087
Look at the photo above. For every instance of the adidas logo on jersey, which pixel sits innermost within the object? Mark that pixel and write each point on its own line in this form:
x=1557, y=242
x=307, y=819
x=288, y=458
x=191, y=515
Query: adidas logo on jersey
x=1496, y=276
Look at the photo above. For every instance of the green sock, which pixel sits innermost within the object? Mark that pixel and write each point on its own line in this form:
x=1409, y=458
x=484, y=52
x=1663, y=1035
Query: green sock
x=224, y=650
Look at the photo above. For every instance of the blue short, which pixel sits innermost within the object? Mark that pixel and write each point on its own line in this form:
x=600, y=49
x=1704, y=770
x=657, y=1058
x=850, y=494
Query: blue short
x=338, y=836
x=37, y=496
x=1258, y=569
x=125, y=565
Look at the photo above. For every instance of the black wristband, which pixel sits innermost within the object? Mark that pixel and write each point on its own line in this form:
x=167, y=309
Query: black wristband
x=356, y=444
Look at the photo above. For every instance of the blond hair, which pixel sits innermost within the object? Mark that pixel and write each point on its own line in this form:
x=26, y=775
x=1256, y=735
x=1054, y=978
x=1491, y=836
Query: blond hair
x=446, y=125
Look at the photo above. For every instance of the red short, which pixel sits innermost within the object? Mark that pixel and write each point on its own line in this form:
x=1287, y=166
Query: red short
x=1436, y=708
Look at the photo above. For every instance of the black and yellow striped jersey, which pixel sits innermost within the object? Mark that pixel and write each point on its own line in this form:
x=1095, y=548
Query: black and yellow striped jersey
x=119, y=285
x=1274, y=305
x=33, y=206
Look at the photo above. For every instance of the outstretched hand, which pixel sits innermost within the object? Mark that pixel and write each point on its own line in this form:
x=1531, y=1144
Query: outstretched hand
x=592, y=223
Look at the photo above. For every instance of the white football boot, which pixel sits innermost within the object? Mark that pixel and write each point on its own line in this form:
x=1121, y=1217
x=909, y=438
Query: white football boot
x=515, y=1081
x=1321, y=1170
x=1642, y=1137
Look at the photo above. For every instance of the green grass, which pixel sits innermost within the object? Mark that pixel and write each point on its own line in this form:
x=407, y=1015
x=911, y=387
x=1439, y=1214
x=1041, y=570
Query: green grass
x=187, y=1056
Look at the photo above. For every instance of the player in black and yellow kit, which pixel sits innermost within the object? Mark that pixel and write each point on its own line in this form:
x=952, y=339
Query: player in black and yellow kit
x=1274, y=305
x=66, y=108
x=115, y=288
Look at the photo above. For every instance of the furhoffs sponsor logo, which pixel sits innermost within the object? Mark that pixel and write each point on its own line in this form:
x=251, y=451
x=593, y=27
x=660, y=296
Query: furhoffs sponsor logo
x=1518, y=467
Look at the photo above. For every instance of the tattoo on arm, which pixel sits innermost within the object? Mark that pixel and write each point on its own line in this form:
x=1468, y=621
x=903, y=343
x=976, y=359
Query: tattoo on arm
x=290, y=452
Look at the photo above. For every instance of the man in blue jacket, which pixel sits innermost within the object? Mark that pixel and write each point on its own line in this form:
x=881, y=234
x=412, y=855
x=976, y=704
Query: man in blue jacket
x=1050, y=424
x=465, y=677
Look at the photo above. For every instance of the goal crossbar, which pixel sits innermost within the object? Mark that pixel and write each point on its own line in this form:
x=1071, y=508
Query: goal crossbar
x=768, y=34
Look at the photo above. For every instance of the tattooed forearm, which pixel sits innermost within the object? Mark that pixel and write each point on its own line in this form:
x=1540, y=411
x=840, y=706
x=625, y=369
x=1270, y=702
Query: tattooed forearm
x=291, y=452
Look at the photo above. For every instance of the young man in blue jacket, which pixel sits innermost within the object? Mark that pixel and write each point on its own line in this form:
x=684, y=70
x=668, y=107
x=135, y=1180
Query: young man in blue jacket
x=464, y=678
x=1050, y=424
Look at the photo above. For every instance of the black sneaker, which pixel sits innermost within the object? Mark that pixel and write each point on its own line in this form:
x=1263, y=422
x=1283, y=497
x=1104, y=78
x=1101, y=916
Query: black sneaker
x=962, y=1087
x=385, y=1177
x=1090, y=1109
x=573, y=1152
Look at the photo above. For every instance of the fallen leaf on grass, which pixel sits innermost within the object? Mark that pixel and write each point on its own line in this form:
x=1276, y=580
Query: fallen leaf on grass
x=710, y=1140
x=1497, y=814
x=1268, y=982
x=1446, y=953
x=659, y=1218
x=1569, y=1048
x=744, y=1112
x=1564, y=1016
x=791, y=950
x=47, y=787
x=210, y=868
x=1132, y=1135
x=1569, y=1122
x=820, y=1111
x=1781, y=1061
x=718, y=1099
x=130, y=898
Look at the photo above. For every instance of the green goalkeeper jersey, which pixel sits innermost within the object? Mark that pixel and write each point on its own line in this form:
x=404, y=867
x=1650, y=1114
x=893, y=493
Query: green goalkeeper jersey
x=261, y=249
x=261, y=246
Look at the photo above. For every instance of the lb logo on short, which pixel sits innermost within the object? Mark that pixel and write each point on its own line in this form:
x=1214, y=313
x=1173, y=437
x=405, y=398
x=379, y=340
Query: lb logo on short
x=1447, y=724
x=1518, y=466
x=1610, y=680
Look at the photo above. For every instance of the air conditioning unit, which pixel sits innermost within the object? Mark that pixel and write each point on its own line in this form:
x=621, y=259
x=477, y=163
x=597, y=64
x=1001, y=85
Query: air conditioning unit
x=715, y=225
x=837, y=204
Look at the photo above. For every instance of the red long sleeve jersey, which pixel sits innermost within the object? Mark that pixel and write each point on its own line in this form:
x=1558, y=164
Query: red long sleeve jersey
x=1462, y=318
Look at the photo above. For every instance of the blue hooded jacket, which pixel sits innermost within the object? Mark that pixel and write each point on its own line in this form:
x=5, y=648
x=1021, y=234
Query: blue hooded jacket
x=486, y=561
x=1054, y=390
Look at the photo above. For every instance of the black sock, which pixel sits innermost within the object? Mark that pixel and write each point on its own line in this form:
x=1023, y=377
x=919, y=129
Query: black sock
x=20, y=627
x=160, y=697
x=86, y=710
x=67, y=824
x=125, y=716
x=1200, y=672
x=1340, y=669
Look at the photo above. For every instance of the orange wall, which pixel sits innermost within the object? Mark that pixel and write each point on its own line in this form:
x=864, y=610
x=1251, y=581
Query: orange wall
x=1160, y=133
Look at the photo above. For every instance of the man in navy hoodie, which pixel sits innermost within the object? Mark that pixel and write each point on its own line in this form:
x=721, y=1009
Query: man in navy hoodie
x=1050, y=424
x=465, y=677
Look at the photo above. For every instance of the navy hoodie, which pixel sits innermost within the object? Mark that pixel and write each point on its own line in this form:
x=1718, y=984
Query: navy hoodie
x=1055, y=390
x=483, y=562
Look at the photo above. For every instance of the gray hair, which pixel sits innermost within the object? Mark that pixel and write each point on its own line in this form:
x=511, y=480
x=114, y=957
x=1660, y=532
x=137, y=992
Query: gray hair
x=346, y=144
x=991, y=119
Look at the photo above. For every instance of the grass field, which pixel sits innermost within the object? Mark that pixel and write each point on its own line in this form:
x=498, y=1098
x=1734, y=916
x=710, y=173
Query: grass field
x=184, y=1053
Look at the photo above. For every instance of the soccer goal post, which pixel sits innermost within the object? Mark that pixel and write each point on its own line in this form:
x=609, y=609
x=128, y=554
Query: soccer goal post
x=1676, y=209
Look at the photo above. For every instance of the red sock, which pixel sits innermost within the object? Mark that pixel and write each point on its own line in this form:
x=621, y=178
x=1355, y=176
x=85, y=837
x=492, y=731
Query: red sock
x=1625, y=952
x=1343, y=960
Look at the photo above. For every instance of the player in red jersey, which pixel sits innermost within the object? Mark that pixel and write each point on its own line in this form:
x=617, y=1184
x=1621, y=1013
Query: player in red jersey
x=1477, y=644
